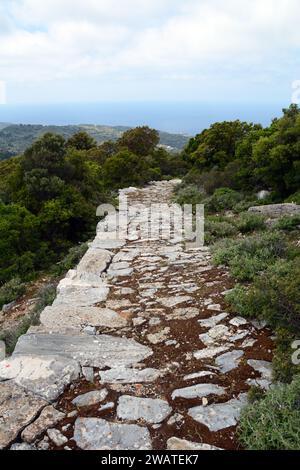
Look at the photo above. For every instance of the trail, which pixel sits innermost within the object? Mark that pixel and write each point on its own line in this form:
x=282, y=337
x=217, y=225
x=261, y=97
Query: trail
x=138, y=351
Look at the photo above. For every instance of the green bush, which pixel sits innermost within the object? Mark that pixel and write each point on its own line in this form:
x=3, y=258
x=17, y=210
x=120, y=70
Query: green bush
x=222, y=199
x=188, y=194
x=283, y=368
x=288, y=223
x=70, y=260
x=248, y=222
x=295, y=198
x=216, y=229
x=273, y=423
x=11, y=290
x=274, y=296
x=247, y=257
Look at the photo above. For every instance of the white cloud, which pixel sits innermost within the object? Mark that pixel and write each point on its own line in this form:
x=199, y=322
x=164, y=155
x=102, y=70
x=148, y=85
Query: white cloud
x=62, y=39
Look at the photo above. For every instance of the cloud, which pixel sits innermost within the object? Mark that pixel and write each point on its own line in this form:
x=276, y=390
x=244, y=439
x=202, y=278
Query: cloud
x=108, y=39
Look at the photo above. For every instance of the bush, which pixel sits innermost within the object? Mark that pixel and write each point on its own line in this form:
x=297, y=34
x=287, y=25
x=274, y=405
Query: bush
x=46, y=297
x=249, y=256
x=273, y=423
x=222, y=199
x=216, y=229
x=295, y=198
x=11, y=290
x=248, y=222
x=188, y=194
x=288, y=223
x=70, y=260
x=283, y=368
x=274, y=296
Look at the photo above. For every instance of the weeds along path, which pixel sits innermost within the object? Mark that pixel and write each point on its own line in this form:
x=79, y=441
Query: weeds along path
x=136, y=352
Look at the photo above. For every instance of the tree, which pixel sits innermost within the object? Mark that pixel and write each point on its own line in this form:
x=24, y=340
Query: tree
x=125, y=169
x=46, y=153
x=81, y=141
x=141, y=140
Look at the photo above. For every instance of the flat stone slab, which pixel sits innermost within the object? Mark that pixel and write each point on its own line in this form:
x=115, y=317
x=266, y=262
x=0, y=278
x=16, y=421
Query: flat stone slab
x=181, y=444
x=150, y=410
x=229, y=361
x=183, y=313
x=265, y=370
x=90, y=398
x=106, y=244
x=94, y=261
x=66, y=317
x=174, y=300
x=219, y=416
x=81, y=296
x=125, y=375
x=198, y=391
x=48, y=418
x=98, y=434
x=209, y=353
x=213, y=321
x=17, y=409
x=93, y=351
x=46, y=376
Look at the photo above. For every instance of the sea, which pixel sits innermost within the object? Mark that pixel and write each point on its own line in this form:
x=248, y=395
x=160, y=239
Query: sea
x=186, y=118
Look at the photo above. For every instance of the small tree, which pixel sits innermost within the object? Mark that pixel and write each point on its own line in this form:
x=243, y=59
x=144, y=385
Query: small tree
x=141, y=140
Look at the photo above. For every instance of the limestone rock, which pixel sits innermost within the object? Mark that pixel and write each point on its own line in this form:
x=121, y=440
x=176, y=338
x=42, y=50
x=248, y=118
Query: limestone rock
x=98, y=434
x=219, y=416
x=66, y=317
x=174, y=300
x=181, y=444
x=198, y=391
x=81, y=296
x=229, y=361
x=17, y=409
x=94, y=351
x=207, y=353
x=125, y=375
x=94, y=261
x=150, y=410
x=90, y=398
x=57, y=437
x=212, y=321
x=48, y=418
x=46, y=376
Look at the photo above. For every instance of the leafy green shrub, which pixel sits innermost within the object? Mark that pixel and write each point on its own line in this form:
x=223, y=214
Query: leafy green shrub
x=288, y=223
x=222, y=199
x=188, y=194
x=248, y=222
x=11, y=290
x=295, y=198
x=255, y=393
x=70, y=260
x=274, y=296
x=216, y=229
x=283, y=368
x=273, y=423
x=251, y=255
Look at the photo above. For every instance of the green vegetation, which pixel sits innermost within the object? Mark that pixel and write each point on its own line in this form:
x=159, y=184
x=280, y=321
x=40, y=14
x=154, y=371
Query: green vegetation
x=11, y=290
x=15, y=138
x=273, y=422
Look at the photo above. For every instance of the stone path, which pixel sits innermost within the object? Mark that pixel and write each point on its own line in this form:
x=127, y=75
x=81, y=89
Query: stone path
x=137, y=351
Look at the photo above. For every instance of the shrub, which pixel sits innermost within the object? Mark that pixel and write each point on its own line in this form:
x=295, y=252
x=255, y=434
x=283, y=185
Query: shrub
x=188, y=194
x=11, y=290
x=251, y=255
x=295, y=198
x=70, y=260
x=248, y=222
x=283, y=368
x=273, y=423
x=274, y=296
x=216, y=229
x=46, y=297
x=288, y=223
x=222, y=199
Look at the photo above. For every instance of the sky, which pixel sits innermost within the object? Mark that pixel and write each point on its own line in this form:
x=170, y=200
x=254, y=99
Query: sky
x=84, y=51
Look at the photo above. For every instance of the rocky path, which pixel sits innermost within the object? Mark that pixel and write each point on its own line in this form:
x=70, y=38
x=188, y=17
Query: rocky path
x=137, y=351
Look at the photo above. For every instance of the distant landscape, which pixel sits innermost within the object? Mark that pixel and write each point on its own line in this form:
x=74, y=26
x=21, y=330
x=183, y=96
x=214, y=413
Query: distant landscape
x=15, y=138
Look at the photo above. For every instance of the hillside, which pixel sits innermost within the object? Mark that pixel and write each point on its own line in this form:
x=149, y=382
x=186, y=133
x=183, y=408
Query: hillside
x=15, y=138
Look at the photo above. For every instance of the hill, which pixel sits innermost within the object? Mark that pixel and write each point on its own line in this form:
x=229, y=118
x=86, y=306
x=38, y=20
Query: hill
x=15, y=138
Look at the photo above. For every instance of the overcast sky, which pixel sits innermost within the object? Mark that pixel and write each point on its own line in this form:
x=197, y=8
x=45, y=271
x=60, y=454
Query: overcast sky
x=94, y=50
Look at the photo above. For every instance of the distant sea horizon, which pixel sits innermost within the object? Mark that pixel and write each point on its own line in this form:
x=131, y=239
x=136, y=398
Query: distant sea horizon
x=186, y=118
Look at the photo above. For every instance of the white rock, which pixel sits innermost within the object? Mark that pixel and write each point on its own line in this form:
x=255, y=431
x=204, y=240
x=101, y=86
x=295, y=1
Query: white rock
x=150, y=410
x=198, y=391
